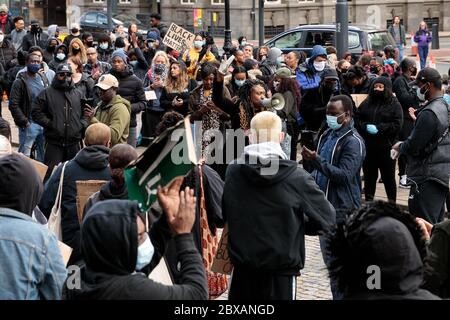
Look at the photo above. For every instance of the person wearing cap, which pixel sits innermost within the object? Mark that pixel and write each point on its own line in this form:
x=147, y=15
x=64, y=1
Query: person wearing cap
x=36, y=37
x=113, y=110
x=31, y=267
x=428, y=149
x=153, y=43
x=74, y=34
x=314, y=101
x=286, y=84
x=308, y=74
x=6, y=21
x=58, y=110
x=18, y=33
x=379, y=120
x=131, y=88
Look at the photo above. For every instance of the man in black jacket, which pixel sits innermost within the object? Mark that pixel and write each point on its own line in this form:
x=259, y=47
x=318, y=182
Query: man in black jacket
x=130, y=88
x=269, y=204
x=155, y=22
x=27, y=86
x=35, y=37
x=408, y=99
x=120, y=252
x=8, y=54
x=91, y=163
x=428, y=150
x=58, y=109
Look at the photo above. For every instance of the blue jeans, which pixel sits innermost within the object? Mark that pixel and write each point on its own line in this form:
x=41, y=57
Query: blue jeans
x=400, y=52
x=27, y=136
x=423, y=54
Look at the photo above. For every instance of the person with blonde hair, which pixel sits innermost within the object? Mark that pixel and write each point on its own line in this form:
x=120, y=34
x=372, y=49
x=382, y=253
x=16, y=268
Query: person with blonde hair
x=263, y=191
x=175, y=94
x=77, y=49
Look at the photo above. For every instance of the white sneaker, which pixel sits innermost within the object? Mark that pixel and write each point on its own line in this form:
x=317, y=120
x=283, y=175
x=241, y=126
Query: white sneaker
x=403, y=182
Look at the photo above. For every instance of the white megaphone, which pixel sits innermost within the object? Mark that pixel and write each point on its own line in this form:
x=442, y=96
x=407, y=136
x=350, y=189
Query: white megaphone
x=275, y=104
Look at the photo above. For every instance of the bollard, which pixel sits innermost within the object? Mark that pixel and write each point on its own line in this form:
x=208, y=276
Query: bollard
x=435, y=34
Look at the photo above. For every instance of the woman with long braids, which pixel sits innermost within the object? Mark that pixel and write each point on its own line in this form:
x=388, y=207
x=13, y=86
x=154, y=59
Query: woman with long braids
x=175, y=94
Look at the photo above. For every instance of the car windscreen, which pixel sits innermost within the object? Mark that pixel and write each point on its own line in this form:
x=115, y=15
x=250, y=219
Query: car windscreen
x=380, y=39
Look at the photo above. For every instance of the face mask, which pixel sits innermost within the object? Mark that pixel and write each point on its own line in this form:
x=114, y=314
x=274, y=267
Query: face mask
x=198, y=44
x=134, y=63
x=378, y=93
x=33, y=68
x=374, y=69
x=421, y=95
x=280, y=59
x=319, y=66
x=276, y=84
x=76, y=50
x=330, y=86
x=239, y=83
x=2, y=37
x=74, y=30
x=34, y=29
x=145, y=254
x=243, y=43
x=89, y=44
x=332, y=122
x=60, y=56
x=104, y=45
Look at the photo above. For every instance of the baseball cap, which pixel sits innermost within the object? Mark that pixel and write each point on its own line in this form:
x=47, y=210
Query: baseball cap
x=63, y=68
x=283, y=72
x=426, y=75
x=107, y=81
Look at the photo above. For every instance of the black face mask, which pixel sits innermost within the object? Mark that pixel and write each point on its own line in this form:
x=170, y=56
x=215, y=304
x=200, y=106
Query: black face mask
x=51, y=48
x=378, y=95
x=74, y=30
x=35, y=29
x=374, y=69
x=64, y=84
x=89, y=44
x=76, y=50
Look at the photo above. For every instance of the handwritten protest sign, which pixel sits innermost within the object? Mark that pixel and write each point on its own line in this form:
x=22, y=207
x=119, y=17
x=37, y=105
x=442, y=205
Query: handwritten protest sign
x=222, y=263
x=178, y=38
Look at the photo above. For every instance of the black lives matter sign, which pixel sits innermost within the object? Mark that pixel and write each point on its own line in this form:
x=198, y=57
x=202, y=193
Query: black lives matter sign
x=178, y=38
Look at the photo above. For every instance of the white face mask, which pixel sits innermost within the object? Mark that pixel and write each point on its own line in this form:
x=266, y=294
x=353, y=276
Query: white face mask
x=2, y=37
x=420, y=95
x=60, y=56
x=104, y=45
x=145, y=254
x=319, y=66
x=276, y=84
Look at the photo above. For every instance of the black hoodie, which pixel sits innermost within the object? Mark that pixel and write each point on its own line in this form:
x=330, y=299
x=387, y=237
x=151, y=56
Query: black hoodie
x=268, y=215
x=55, y=62
x=91, y=163
x=109, y=244
x=20, y=185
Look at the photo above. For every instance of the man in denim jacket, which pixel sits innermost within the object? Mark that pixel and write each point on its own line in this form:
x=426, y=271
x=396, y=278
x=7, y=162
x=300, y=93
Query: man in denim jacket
x=31, y=265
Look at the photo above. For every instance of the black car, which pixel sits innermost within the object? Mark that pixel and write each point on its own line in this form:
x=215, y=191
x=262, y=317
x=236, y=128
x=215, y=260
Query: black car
x=304, y=38
x=96, y=23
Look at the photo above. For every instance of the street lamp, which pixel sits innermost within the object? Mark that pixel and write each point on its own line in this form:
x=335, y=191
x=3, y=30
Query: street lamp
x=227, y=41
x=261, y=23
x=341, y=27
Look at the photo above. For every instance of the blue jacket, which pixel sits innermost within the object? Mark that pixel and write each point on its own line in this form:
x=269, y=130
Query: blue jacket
x=31, y=265
x=307, y=76
x=343, y=188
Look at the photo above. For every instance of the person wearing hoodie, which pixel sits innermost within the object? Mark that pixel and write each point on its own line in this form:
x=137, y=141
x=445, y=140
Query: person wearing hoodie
x=58, y=110
x=74, y=34
x=120, y=156
x=130, y=88
x=8, y=53
x=113, y=110
x=50, y=49
x=59, y=57
x=53, y=32
x=309, y=72
x=379, y=119
x=31, y=265
x=266, y=258
x=271, y=64
x=90, y=163
x=119, y=251
x=50, y=74
x=11, y=74
x=379, y=235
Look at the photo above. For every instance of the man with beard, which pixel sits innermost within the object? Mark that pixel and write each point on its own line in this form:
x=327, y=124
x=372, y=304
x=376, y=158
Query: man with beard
x=58, y=109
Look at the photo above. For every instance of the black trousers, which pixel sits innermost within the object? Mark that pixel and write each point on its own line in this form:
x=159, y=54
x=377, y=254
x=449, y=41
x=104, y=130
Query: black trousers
x=426, y=201
x=150, y=120
x=55, y=154
x=379, y=159
x=258, y=285
x=293, y=130
x=404, y=134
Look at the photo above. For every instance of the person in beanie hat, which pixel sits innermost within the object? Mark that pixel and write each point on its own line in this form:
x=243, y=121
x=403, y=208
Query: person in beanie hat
x=153, y=43
x=130, y=88
x=379, y=120
x=428, y=149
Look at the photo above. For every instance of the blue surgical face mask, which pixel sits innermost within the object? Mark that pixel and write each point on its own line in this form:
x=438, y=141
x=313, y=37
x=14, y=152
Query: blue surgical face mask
x=145, y=254
x=33, y=68
x=447, y=98
x=198, y=44
x=239, y=83
x=332, y=122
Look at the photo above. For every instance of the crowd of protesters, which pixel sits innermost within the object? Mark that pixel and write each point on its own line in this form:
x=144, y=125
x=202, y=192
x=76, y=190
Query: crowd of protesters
x=77, y=102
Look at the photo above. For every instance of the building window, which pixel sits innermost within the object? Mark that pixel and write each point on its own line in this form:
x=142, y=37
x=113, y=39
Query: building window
x=269, y=2
x=188, y=1
x=217, y=2
x=98, y=1
x=124, y=1
x=306, y=1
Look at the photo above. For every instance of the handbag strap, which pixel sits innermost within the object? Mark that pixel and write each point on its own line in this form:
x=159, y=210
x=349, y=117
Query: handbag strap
x=60, y=187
